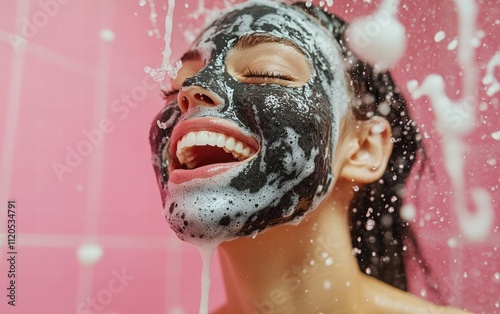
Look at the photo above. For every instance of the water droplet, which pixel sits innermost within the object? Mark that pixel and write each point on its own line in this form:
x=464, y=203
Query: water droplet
x=407, y=212
x=496, y=135
x=329, y=261
x=496, y=277
x=327, y=284
x=370, y=223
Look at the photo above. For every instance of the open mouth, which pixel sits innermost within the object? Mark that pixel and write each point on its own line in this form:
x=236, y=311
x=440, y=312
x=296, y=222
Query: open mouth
x=211, y=145
x=201, y=148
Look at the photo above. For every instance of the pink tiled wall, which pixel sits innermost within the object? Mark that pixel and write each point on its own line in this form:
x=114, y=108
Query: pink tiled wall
x=61, y=78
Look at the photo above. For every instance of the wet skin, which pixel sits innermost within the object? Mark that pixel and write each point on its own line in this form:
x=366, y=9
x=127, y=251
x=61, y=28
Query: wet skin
x=281, y=92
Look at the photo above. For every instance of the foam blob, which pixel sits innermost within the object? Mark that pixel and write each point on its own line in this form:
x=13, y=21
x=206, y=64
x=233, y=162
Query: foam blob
x=89, y=253
x=377, y=39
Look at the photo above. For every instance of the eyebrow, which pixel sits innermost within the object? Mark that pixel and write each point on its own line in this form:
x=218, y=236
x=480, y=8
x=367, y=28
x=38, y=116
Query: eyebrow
x=252, y=40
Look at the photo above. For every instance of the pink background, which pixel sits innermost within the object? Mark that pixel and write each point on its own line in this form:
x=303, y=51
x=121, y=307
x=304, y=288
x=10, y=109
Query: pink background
x=61, y=80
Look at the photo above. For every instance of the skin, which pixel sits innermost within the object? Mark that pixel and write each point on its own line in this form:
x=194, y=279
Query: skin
x=265, y=272
x=308, y=266
x=280, y=272
x=279, y=103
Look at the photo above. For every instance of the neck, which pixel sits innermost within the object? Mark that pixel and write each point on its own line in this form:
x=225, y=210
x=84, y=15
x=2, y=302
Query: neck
x=283, y=269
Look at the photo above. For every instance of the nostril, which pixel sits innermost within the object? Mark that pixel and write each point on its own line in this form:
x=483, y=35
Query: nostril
x=204, y=98
x=185, y=103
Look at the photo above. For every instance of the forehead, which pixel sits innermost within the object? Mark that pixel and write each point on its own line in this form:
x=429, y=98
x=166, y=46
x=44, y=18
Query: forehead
x=278, y=20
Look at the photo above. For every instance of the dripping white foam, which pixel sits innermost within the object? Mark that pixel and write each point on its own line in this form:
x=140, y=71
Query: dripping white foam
x=158, y=74
x=207, y=251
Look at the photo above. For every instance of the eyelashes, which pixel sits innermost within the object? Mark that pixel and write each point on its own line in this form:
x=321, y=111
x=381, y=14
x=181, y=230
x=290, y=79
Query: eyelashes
x=265, y=74
x=167, y=94
x=269, y=75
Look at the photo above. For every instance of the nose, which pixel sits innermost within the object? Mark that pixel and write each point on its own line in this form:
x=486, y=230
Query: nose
x=193, y=96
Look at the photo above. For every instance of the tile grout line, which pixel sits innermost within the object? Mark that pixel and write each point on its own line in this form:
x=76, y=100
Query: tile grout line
x=96, y=160
x=12, y=116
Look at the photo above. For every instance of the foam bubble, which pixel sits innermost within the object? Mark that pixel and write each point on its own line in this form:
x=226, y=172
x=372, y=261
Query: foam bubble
x=210, y=216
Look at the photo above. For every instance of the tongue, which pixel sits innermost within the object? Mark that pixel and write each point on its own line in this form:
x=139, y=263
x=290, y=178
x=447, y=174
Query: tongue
x=207, y=155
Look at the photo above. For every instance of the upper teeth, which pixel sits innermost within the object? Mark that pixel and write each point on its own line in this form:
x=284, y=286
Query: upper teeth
x=231, y=145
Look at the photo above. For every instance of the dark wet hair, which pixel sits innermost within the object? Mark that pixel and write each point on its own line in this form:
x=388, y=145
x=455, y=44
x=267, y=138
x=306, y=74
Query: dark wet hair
x=377, y=230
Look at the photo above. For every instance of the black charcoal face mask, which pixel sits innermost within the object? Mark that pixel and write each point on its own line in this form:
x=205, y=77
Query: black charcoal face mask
x=296, y=129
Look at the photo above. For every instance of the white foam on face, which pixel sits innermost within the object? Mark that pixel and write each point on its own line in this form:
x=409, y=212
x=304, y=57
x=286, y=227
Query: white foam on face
x=191, y=195
x=204, y=202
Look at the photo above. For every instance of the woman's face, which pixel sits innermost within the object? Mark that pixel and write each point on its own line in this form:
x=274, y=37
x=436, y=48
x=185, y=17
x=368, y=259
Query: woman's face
x=247, y=140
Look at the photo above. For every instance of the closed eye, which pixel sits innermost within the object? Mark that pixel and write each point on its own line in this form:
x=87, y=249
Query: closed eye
x=166, y=95
x=268, y=74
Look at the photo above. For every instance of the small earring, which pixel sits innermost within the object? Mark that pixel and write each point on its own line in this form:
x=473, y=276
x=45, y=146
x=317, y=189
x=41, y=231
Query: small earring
x=374, y=168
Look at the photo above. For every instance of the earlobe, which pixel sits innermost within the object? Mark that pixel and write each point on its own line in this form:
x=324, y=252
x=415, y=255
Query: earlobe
x=367, y=151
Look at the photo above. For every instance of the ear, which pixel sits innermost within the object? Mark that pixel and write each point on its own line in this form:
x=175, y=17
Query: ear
x=366, y=149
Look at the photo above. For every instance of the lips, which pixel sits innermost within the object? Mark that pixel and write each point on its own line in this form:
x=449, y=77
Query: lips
x=201, y=148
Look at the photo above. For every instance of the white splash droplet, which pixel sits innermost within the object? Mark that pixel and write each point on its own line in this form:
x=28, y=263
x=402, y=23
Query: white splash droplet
x=452, y=242
x=408, y=212
x=107, y=35
x=379, y=39
x=452, y=45
x=89, y=253
x=329, y=261
x=439, y=36
x=327, y=284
